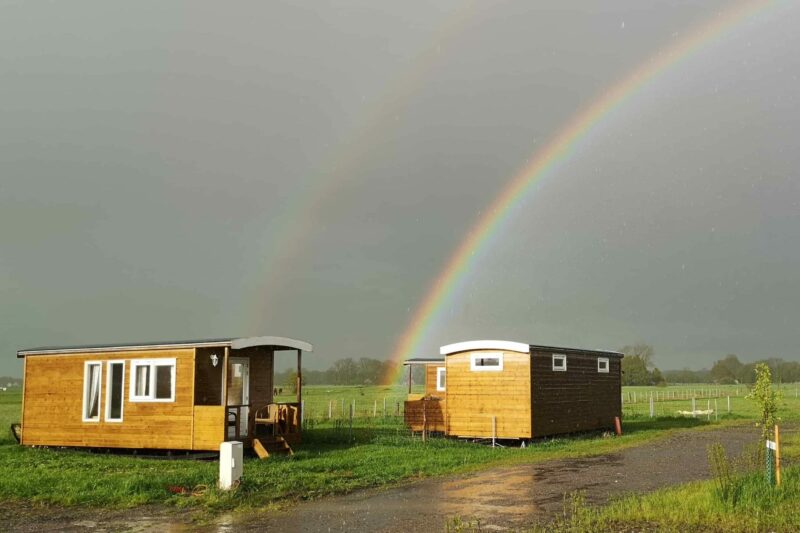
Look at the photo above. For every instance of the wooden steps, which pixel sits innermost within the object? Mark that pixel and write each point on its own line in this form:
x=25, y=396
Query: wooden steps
x=266, y=446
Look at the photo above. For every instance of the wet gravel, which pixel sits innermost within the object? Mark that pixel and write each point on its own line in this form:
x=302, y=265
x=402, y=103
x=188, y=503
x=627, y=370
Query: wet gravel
x=503, y=499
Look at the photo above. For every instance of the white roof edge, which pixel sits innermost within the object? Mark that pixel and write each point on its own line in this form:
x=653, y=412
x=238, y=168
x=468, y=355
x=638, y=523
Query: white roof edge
x=509, y=346
x=248, y=342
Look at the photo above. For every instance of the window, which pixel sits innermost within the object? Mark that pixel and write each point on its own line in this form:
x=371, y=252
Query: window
x=486, y=362
x=153, y=380
x=602, y=365
x=115, y=384
x=92, y=373
x=441, y=378
x=559, y=362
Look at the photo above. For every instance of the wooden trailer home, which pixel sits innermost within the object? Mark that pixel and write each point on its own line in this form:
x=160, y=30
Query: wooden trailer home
x=510, y=390
x=189, y=395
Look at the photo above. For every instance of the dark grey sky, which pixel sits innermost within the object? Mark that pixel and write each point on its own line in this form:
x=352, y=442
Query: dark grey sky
x=192, y=169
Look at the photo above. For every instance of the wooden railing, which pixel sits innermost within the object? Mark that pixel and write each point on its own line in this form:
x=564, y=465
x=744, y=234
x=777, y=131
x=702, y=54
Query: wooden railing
x=285, y=422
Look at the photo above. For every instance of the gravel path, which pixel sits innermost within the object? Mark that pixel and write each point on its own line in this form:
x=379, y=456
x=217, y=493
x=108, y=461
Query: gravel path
x=511, y=497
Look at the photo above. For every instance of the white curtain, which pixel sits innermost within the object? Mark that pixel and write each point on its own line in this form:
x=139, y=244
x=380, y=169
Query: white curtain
x=94, y=390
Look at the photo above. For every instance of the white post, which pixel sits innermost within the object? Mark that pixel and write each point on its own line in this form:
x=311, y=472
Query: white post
x=729, y=405
x=716, y=411
x=230, y=464
x=330, y=409
x=375, y=409
x=694, y=407
x=708, y=409
x=652, y=407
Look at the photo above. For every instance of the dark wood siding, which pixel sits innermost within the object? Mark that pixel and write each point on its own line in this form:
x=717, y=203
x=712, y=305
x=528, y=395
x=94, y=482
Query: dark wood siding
x=580, y=399
x=207, y=377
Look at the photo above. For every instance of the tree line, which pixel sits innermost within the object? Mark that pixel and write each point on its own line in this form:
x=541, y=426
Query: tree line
x=638, y=369
x=348, y=371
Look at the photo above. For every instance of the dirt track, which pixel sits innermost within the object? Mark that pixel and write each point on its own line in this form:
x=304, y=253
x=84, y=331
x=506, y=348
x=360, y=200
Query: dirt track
x=504, y=498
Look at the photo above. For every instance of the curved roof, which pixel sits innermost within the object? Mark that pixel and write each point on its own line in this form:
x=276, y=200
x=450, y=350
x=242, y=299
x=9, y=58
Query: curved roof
x=508, y=346
x=233, y=343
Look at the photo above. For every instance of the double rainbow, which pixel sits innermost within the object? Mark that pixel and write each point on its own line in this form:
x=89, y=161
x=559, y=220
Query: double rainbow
x=557, y=150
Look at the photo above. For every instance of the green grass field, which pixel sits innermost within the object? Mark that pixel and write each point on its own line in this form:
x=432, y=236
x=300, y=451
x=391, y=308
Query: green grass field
x=380, y=451
x=698, y=506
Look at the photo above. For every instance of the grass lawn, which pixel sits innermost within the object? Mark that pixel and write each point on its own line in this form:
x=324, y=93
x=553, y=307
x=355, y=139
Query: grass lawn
x=698, y=506
x=380, y=452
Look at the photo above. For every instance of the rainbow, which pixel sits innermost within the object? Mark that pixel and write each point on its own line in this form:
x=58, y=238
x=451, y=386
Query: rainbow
x=559, y=149
x=289, y=235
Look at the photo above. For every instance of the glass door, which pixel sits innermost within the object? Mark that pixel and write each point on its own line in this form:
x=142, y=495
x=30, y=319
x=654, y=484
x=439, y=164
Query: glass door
x=239, y=393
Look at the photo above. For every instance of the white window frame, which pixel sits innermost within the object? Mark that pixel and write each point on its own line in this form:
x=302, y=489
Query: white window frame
x=441, y=372
x=108, y=391
x=559, y=357
x=86, y=366
x=485, y=355
x=152, y=363
x=600, y=369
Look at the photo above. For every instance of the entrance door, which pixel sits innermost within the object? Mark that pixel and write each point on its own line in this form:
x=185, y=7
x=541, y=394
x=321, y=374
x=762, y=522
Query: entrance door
x=239, y=391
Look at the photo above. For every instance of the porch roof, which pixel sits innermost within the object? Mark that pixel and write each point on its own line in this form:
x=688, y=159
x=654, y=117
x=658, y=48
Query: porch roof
x=278, y=343
x=423, y=361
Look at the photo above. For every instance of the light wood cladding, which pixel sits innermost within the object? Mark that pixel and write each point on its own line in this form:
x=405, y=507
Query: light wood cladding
x=430, y=379
x=53, y=403
x=425, y=414
x=209, y=427
x=474, y=397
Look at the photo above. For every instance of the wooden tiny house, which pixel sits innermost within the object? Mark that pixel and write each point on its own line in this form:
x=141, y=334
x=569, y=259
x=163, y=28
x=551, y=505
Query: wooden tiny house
x=510, y=390
x=189, y=395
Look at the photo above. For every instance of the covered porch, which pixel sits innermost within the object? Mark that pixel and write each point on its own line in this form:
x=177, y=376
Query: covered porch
x=235, y=394
x=426, y=412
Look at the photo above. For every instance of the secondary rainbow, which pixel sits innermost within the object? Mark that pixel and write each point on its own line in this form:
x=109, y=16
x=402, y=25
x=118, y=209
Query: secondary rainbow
x=555, y=151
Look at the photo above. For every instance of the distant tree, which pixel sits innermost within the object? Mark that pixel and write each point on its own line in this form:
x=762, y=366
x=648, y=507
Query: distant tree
x=727, y=370
x=643, y=351
x=290, y=381
x=687, y=376
x=657, y=378
x=634, y=371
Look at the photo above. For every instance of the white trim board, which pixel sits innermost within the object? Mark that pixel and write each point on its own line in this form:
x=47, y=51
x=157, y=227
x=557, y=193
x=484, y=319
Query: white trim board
x=468, y=346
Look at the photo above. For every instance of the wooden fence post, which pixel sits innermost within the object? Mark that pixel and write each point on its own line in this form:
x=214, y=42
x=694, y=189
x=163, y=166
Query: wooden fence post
x=729, y=404
x=694, y=407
